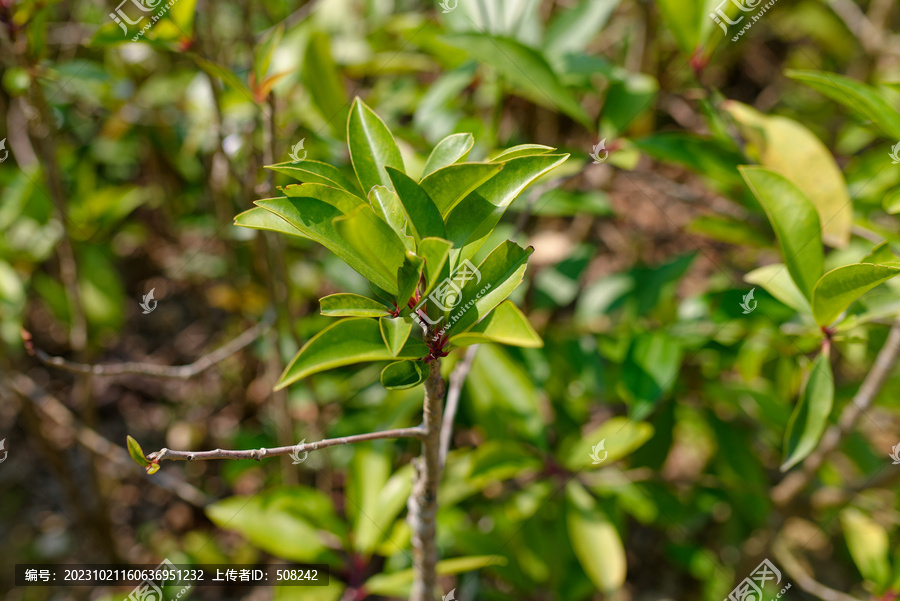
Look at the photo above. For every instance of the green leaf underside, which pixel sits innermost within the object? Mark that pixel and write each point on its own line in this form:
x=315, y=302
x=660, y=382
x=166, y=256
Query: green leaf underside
x=351, y=305
x=448, y=151
x=395, y=331
x=340, y=199
x=472, y=220
x=796, y=225
x=449, y=185
x=309, y=171
x=372, y=147
x=401, y=375
x=505, y=325
x=259, y=218
x=348, y=341
x=810, y=416
x=777, y=281
x=840, y=287
x=423, y=215
x=595, y=540
x=375, y=241
x=315, y=219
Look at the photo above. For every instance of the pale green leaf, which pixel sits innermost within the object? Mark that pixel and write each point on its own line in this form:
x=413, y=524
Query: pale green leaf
x=259, y=218
x=777, y=281
x=309, y=171
x=448, y=151
x=620, y=436
x=134, y=449
x=840, y=287
x=372, y=147
x=397, y=584
x=595, y=540
x=504, y=325
x=869, y=546
x=447, y=186
x=352, y=305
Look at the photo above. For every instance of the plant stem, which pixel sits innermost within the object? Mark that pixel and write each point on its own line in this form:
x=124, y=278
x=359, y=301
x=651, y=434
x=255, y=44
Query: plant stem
x=423, y=500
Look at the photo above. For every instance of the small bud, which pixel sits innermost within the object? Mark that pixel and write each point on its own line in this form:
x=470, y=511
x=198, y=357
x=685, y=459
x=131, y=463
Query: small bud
x=134, y=449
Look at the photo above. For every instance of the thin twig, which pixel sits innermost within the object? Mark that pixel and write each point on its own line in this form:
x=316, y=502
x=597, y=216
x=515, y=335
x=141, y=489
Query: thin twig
x=181, y=372
x=791, y=486
x=795, y=570
x=258, y=454
x=457, y=379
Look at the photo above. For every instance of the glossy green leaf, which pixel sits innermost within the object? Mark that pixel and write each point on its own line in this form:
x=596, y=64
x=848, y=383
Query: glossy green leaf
x=424, y=217
x=472, y=220
x=395, y=331
x=397, y=584
x=352, y=305
x=796, y=224
x=339, y=198
x=777, y=281
x=791, y=150
x=497, y=276
x=869, y=546
x=840, y=287
x=372, y=147
x=408, y=277
x=522, y=150
x=387, y=205
x=402, y=375
x=504, y=325
x=620, y=436
x=323, y=81
x=881, y=254
x=137, y=454
x=309, y=171
x=447, y=186
x=348, y=341
x=810, y=416
x=374, y=240
x=435, y=252
x=864, y=100
x=448, y=151
x=595, y=540
x=525, y=69
x=259, y=218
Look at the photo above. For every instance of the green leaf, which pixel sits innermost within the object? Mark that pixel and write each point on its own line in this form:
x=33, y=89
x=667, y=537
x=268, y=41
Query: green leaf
x=505, y=325
x=891, y=202
x=869, y=546
x=397, y=584
x=408, y=277
x=374, y=240
x=323, y=81
x=796, y=224
x=368, y=473
x=424, y=217
x=595, y=540
x=650, y=368
x=525, y=69
x=395, y=331
x=222, y=73
x=339, y=198
x=372, y=147
x=314, y=217
x=497, y=276
x=881, y=254
x=865, y=100
x=134, y=449
x=573, y=29
x=259, y=218
x=390, y=500
x=705, y=156
x=684, y=20
x=447, y=186
x=791, y=150
x=309, y=171
x=522, y=150
x=810, y=416
x=471, y=221
x=263, y=54
x=435, y=252
x=388, y=206
x=348, y=341
x=620, y=436
x=351, y=305
x=401, y=375
x=448, y=151
x=777, y=281
x=840, y=287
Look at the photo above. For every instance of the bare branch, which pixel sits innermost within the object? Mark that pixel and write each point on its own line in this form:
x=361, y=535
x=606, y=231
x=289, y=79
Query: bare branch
x=798, y=574
x=794, y=482
x=180, y=372
x=258, y=454
x=457, y=379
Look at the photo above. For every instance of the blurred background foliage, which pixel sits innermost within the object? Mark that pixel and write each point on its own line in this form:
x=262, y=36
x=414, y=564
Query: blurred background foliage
x=129, y=159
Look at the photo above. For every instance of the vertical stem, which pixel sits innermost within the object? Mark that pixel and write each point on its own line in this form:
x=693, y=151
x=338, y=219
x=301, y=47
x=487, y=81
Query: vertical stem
x=423, y=500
